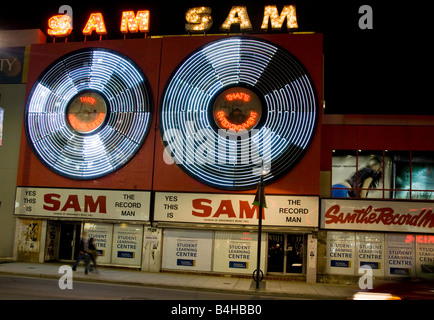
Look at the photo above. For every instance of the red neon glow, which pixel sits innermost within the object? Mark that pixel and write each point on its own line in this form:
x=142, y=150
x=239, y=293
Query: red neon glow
x=238, y=96
x=419, y=239
x=82, y=126
x=225, y=123
x=87, y=99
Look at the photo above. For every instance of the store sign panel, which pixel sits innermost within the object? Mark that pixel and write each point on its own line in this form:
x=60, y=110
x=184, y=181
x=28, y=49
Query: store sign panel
x=11, y=65
x=83, y=203
x=377, y=215
x=300, y=211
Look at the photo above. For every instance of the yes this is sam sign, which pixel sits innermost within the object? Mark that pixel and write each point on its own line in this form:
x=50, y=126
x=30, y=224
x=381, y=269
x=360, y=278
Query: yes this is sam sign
x=300, y=211
x=83, y=203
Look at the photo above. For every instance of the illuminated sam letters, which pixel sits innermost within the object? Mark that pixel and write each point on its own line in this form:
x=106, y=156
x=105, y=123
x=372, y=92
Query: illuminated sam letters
x=59, y=25
x=237, y=15
x=135, y=22
x=198, y=19
x=95, y=23
x=271, y=13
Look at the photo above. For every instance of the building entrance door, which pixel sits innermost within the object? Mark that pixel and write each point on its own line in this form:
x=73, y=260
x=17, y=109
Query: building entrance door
x=286, y=253
x=69, y=242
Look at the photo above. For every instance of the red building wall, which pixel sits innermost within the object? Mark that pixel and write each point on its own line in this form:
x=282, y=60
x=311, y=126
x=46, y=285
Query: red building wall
x=375, y=132
x=158, y=58
x=137, y=173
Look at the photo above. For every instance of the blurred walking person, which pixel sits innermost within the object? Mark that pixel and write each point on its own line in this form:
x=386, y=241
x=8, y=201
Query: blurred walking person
x=83, y=254
x=93, y=254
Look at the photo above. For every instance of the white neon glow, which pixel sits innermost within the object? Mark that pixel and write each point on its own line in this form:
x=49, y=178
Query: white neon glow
x=87, y=156
x=216, y=159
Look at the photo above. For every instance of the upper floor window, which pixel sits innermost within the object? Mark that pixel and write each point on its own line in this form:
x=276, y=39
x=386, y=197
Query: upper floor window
x=383, y=174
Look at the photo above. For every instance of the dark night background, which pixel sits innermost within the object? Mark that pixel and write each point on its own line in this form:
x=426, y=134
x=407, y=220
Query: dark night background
x=386, y=70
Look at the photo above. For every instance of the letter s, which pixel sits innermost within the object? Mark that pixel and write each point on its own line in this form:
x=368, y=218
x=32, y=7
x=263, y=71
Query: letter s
x=331, y=213
x=198, y=204
x=48, y=199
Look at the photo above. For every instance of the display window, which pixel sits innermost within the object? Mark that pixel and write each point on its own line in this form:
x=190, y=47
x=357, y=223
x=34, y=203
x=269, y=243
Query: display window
x=388, y=255
x=127, y=244
x=102, y=233
x=360, y=175
x=116, y=244
x=187, y=250
x=383, y=174
x=236, y=252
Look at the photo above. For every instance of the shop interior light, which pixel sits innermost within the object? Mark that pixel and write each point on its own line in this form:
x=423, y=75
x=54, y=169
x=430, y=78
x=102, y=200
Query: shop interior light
x=193, y=135
x=87, y=147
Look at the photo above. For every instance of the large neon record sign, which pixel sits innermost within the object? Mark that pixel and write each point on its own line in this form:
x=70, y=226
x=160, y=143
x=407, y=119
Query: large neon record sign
x=88, y=113
x=274, y=132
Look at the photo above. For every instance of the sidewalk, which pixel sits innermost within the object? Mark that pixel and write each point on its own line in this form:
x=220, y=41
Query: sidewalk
x=278, y=288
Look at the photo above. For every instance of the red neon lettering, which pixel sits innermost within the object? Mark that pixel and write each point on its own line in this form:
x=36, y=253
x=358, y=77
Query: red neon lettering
x=419, y=239
x=238, y=96
x=86, y=127
x=225, y=123
x=87, y=99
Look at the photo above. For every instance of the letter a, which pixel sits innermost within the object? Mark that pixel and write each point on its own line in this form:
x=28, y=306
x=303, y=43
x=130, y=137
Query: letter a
x=65, y=281
x=365, y=281
x=366, y=21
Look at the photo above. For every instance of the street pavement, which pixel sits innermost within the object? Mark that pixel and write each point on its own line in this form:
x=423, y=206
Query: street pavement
x=231, y=284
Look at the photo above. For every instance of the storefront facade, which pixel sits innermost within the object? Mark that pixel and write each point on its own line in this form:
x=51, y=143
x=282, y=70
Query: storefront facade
x=50, y=223
x=164, y=176
x=219, y=233
x=376, y=207
x=394, y=239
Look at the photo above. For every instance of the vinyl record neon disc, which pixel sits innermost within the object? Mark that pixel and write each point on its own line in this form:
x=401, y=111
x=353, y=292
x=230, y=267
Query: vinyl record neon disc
x=234, y=106
x=88, y=113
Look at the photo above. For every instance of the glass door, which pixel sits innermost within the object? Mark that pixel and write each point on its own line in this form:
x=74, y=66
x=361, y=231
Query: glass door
x=69, y=242
x=294, y=253
x=276, y=245
x=286, y=253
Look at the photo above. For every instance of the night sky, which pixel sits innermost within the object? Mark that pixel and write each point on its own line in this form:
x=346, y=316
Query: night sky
x=384, y=70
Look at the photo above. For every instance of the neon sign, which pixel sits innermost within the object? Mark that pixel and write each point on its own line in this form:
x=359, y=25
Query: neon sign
x=238, y=96
x=59, y=26
x=198, y=20
x=135, y=22
x=88, y=99
x=225, y=123
x=84, y=127
x=419, y=239
x=95, y=23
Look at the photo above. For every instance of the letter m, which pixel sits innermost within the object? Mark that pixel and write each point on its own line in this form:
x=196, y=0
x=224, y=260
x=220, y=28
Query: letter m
x=249, y=211
x=92, y=206
x=271, y=13
x=133, y=23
